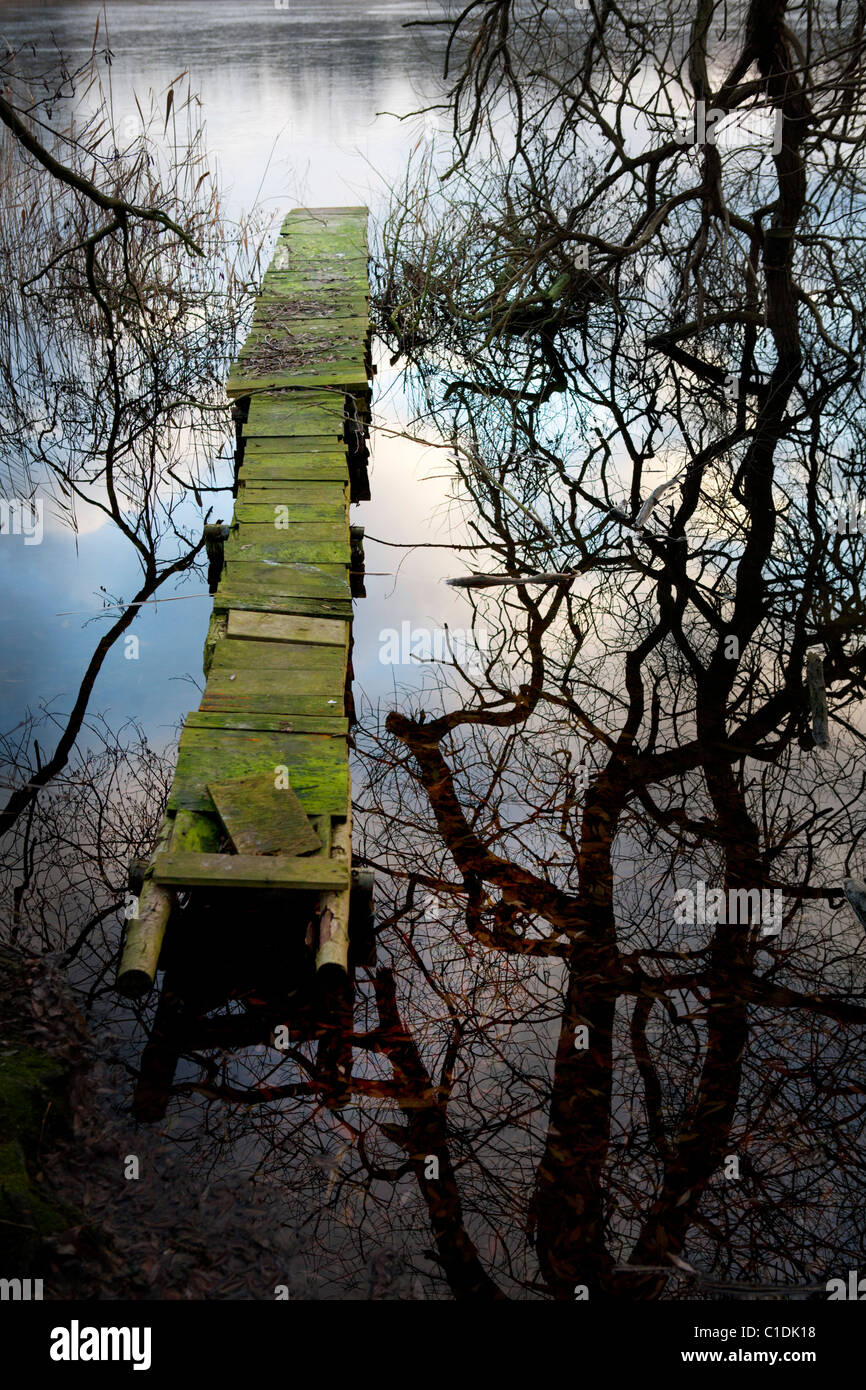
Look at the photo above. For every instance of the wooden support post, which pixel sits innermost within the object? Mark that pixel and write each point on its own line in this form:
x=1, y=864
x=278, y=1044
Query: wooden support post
x=217, y=628
x=355, y=435
x=144, y=934
x=356, y=573
x=333, y=907
x=362, y=921
x=240, y=414
x=214, y=544
x=160, y=1057
x=135, y=872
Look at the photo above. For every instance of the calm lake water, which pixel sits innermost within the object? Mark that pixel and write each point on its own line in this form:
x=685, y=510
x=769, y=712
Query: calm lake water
x=293, y=100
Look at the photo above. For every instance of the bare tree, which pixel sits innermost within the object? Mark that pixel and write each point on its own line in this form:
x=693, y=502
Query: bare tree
x=123, y=293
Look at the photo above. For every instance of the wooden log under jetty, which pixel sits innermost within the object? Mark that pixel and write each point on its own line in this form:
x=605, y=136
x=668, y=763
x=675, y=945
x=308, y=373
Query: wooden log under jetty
x=333, y=907
x=186, y=832
x=356, y=574
x=146, y=930
x=214, y=543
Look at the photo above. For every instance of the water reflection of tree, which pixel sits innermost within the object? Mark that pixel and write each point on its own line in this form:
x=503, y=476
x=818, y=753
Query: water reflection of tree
x=122, y=296
x=611, y=304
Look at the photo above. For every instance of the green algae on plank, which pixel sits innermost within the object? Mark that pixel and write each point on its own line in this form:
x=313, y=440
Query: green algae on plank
x=329, y=551
x=239, y=687
x=338, y=726
x=348, y=373
x=237, y=653
x=263, y=600
x=313, y=492
x=275, y=628
x=263, y=816
x=317, y=763
x=271, y=470
x=310, y=872
x=269, y=506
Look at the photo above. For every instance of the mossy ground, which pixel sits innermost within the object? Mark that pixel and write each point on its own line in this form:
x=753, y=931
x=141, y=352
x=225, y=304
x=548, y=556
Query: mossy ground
x=33, y=1114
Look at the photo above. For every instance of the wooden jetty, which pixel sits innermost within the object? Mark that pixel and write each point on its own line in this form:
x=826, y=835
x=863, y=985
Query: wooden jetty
x=255, y=850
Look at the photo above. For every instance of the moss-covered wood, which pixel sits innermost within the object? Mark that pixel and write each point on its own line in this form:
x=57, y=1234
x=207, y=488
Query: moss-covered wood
x=263, y=763
x=317, y=764
x=309, y=872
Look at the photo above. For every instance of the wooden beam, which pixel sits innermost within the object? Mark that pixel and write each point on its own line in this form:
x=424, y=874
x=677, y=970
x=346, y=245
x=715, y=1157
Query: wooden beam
x=249, y=871
x=333, y=907
x=286, y=627
x=145, y=932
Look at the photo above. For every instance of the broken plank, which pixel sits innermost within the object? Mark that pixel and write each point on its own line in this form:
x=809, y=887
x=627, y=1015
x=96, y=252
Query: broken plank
x=263, y=817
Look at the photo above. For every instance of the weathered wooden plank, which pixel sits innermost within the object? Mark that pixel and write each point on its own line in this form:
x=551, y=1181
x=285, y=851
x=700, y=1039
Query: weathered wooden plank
x=250, y=871
x=295, y=580
x=267, y=327
x=300, y=255
x=269, y=545
x=357, y=210
x=325, y=446
x=332, y=277
x=329, y=230
x=298, y=401
x=301, y=252
x=263, y=818
x=315, y=492
x=306, y=224
x=267, y=541
x=347, y=372
x=288, y=352
x=273, y=692
x=285, y=284
x=273, y=627
x=329, y=550
x=325, y=304
x=309, y=455
x=299, y=412
x=317, y=765
x=281, y=513
x=337, y=726
x=262, y=473
x=235, y=653
x=311, y=436
x=264, y=601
